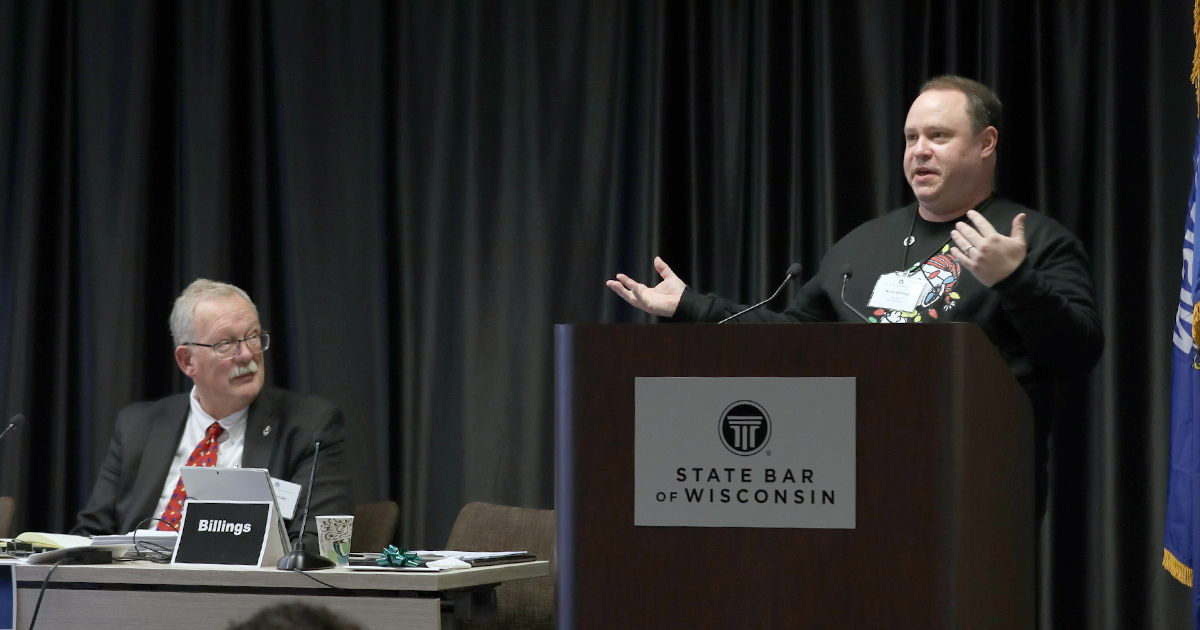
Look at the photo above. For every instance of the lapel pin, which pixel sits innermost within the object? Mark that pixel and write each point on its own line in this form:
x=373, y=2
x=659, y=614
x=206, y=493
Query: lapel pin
x=267, y=431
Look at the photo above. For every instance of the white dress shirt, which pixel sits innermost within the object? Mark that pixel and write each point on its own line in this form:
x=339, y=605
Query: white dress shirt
x=229, y=447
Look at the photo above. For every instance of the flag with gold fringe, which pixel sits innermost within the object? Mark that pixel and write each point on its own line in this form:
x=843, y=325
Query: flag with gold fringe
x=1181, y=535
x=1182, y=532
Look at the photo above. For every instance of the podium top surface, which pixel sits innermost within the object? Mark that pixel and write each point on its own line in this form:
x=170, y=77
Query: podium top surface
x=779, y=349
x=140, y=572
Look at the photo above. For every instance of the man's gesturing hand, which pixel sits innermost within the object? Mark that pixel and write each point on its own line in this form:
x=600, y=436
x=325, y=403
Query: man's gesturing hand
x=986, y=253
x=661, y=300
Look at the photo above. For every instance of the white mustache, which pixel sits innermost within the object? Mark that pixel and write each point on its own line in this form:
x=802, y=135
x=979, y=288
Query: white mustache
x=240, y=370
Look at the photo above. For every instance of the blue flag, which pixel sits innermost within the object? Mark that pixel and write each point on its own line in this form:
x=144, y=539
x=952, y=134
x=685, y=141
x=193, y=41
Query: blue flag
x=1181, y=537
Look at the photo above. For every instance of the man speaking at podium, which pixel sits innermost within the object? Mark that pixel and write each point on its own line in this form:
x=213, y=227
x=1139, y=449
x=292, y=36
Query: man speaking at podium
x=229, y=419
x=973, y=257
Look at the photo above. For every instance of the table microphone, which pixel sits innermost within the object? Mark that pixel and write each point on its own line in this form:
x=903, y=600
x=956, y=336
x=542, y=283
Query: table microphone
x=16, y=421
x=299, y=560
x=847, y=273
x=793, y=271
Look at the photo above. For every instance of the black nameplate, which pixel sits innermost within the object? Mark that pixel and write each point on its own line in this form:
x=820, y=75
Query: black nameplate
x=225, y=533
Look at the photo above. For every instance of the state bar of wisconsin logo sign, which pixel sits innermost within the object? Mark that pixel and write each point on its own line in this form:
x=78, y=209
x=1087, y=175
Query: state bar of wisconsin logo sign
x=745, y=427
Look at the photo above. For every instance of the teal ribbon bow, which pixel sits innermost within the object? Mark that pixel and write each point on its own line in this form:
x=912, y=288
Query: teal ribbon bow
x=393, y=557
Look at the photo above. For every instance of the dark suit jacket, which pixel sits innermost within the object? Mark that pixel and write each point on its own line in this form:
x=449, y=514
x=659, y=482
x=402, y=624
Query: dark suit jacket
x=147, y=434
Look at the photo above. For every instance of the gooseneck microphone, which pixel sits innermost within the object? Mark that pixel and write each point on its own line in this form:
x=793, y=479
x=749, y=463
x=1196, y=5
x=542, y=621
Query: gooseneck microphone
x=298, y=559
x=793, y=271
x=847, y=273
x=16, y=421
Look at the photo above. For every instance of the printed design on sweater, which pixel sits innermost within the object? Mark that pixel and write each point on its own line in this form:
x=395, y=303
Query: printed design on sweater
x=941, y=272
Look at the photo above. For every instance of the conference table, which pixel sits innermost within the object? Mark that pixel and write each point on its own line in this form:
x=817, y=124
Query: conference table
x=141, y=594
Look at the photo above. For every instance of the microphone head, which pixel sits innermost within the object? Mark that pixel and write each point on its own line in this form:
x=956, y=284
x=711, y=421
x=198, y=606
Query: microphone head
x=17, y=420
x=847, y=271
x=794, y=270
x=318, y=435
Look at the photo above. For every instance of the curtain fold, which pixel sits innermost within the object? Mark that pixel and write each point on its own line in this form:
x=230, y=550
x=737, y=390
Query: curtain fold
x=415, y=192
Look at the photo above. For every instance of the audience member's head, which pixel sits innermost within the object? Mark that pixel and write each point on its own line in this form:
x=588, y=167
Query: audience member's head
x=295, y=616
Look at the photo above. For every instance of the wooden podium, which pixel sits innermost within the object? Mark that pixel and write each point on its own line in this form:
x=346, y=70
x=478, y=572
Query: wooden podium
x=944, y=532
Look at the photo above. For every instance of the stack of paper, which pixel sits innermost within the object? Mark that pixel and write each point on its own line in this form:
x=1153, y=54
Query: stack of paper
x=166, y=539
x=478, y=558
x=147, y=539
x=53, y=541
x=444, y=560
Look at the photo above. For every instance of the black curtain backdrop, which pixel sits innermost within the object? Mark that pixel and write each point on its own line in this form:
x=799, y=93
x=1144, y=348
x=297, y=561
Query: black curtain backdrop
x=415, y=192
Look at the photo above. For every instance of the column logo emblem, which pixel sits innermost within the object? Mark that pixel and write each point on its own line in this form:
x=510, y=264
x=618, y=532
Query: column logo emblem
x=745, y=427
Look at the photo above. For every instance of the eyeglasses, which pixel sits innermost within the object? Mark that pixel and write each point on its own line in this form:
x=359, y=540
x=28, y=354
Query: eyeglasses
x=230, y=348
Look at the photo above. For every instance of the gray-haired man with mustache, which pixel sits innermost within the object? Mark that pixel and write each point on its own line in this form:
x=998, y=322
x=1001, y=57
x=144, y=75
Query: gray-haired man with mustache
x=229, y=419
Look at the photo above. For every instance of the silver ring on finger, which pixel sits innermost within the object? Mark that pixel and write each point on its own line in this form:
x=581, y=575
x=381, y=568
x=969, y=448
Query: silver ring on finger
x=967, y=249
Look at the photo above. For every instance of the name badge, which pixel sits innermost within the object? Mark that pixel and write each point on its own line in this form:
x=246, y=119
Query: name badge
x=228, y=534
x=286, y=494
x=898, y=291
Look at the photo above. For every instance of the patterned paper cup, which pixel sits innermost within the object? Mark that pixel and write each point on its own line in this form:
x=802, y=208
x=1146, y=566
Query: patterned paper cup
x=333, y=537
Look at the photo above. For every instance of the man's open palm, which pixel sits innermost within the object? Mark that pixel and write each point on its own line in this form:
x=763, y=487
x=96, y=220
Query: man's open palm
x=661, y=300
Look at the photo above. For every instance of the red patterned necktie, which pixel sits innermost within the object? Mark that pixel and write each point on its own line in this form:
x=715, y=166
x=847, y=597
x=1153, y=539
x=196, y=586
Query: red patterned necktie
x=205, y=454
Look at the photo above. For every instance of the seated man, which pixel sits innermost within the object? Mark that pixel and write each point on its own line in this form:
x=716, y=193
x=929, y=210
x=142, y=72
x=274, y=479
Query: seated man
x=229, y=419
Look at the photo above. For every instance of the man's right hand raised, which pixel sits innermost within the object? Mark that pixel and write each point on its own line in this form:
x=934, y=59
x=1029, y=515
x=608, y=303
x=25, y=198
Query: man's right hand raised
x=661, y=300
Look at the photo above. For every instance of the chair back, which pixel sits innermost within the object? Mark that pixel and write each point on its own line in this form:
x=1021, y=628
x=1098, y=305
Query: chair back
x=526, y=604
x=7, y=505
x=374, y=526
